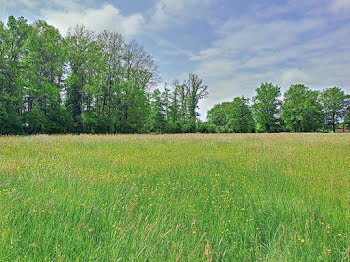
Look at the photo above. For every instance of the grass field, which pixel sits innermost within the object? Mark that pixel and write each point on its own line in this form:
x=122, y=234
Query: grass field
x=254, y=197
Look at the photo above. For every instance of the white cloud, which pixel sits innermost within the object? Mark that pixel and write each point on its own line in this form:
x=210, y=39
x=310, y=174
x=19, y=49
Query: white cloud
x=106, y=17
x=22, y=3
x=340, y=5
x=21, y=8
x=65, y=4
x=250, y=51
x=67, y=13
x=3, y=10
x=170, y=12
x=291, y=76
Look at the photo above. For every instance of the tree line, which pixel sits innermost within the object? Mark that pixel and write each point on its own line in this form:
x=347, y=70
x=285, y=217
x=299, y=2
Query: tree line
x=301, y=110
x=86, y=82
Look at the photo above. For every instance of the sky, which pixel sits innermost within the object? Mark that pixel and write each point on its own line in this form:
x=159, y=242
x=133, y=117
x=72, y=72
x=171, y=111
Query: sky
x=233, y=45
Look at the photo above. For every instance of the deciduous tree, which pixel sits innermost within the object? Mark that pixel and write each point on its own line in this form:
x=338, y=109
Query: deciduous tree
x=266, y=107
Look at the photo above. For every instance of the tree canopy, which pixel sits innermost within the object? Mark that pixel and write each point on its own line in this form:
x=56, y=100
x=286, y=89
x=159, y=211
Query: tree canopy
x=86, y=82
x=89, y=82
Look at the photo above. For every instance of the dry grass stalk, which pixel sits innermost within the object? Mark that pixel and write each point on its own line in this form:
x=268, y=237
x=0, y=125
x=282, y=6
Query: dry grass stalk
x=207, y=253
x=133, y=206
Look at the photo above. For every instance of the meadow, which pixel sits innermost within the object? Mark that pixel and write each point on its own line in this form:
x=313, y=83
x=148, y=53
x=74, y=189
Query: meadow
x=234, y=197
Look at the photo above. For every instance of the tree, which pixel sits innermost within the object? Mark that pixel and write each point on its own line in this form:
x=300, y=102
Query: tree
x=82, y=83
x=12, y=40
x=301, y=109
x=3, y=68
x=157, y=116
x=266, y=107
x=239, y=116
x=333, y=102
x=218, y=114
x=78, y=41
x=85, y=60
x=139, y=67
x=111, y=77
x=175, y=114
x=166, y=98
x=195, y=91
x=132, y=109
x=347, y=112
x=43, y=111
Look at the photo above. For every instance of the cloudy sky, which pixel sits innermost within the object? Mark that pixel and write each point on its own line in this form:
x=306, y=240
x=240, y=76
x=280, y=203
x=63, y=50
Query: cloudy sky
x=234, y=45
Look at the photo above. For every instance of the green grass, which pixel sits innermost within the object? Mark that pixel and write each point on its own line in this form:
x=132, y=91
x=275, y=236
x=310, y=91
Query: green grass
x=256, y=197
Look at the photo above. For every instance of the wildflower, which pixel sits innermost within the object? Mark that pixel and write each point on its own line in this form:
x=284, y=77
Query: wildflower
x=302, y=240
x=340, y=235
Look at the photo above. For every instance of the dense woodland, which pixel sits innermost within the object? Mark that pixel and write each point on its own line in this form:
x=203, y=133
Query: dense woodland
x=88, y=82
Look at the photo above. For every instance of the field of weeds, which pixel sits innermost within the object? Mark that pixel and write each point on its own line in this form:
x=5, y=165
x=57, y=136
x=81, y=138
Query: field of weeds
x=254, y=197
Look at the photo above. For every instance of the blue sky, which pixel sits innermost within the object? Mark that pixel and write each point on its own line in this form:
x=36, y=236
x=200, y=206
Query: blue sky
x=233, y=45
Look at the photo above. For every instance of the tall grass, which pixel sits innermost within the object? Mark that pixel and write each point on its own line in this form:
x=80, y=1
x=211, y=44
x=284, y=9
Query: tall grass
x=255, y=197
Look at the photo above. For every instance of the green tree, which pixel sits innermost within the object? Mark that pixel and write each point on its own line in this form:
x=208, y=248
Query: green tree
x=239, y=116
x=132, y=108
x=266, y=107
x=87, y=83
x=175, y=114
x=139, y=74
x=347, y=112
x=12, y=40
x=301, y=110
x=218, y=114
x=195, y=91
x=84, y=61
x=157, y=116
x=139, y=66
x=166, y=97
x=107, y=102
x=333, y=102
x=43, y=111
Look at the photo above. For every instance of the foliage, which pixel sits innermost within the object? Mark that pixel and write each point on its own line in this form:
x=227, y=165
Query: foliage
x=301, y=110
x=334, y=103
x=239, y=116
x=88, y=82
x=266, y=108
x=235, y=116
x=218, y=114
